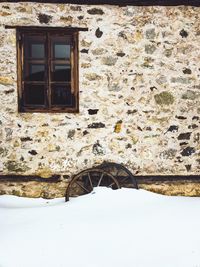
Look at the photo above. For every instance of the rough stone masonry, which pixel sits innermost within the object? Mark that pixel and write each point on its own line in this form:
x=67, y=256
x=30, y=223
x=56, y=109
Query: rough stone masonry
x=139, y=96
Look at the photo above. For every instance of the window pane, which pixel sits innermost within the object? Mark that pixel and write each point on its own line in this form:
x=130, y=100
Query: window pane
x=35, y=72
x=61, y=51
x=61, y=73
x=35, y=46
x=37, y=51
x=61, y=95
x=34, y=94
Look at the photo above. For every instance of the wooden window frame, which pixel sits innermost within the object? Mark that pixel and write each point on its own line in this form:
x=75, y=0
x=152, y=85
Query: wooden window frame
x=47, y=31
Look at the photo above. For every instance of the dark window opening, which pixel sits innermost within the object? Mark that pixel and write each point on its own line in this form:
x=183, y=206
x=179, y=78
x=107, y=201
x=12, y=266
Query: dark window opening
x=47, y=70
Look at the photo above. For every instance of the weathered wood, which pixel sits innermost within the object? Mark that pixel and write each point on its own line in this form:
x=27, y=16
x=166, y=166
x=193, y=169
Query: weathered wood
x=167, y=178
x=73, y=29
x=139, y=178
x=120, y=2
x=29, y=178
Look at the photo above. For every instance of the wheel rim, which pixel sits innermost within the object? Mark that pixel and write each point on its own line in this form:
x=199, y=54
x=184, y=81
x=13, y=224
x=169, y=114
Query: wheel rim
x=85, y=181
x=121, y=173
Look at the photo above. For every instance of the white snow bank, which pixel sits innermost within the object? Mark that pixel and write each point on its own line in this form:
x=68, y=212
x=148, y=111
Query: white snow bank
x=122, y=228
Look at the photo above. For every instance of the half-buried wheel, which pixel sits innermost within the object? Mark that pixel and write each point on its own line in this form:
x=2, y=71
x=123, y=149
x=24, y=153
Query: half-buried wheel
x=85, y=181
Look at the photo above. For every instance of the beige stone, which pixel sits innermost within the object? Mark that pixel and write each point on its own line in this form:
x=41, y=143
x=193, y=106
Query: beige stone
x=6, y=80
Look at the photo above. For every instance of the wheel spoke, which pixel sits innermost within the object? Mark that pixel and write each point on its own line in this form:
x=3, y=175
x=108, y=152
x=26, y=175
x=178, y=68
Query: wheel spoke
x=111, y=184
x=118, y=170
x=90, y=180
x=125, y=179
x=100, y=179
x=83, y=187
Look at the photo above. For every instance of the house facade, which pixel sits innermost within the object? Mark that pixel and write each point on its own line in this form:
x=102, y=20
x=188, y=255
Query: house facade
x=81, y=84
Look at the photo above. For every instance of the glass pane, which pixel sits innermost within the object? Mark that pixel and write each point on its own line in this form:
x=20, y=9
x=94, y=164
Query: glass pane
x=35, y=46
x=34, y=94
x=35, y=72
x=61, y=51
x=37, y=51
x=61, y=95
x=61, y=73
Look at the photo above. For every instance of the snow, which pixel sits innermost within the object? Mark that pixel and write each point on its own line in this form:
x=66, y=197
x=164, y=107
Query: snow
x=121, y=228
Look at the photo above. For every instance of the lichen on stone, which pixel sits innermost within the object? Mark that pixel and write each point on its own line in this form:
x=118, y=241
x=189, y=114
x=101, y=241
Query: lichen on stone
x=164, y=98
x=14, y=166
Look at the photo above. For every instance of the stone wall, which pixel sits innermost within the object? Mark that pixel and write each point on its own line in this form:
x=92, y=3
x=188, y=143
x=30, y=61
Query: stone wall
x=139, y=92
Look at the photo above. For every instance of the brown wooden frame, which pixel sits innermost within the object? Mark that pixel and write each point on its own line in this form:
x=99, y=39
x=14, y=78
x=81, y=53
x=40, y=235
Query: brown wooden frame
x=47, y=31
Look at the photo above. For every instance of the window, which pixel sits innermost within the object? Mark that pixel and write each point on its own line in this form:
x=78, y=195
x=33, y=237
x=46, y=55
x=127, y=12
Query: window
x=47, y=69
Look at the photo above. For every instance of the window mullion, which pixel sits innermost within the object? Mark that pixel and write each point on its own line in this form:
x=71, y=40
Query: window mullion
x=48, y=71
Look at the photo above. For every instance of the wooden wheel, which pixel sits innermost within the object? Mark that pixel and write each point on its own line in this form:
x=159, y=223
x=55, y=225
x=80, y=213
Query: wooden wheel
x=85, y=181
x=124, y=177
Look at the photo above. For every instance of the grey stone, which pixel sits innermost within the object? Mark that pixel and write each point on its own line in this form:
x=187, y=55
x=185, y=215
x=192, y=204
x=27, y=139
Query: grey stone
x=9, y=91
x=85, y=132
x=187, y=151
x=183, y=33
x=169, y=154
x=92, y=111
x=98, y=33
x=168, y=52
x=150, y=49
x=181, y=117
x=25, y=139
x=92, y=76
x=114, y=87
x=180, y=80
x=33, y=152
x=190, y=95
x=96, y=125
x=95, y=11
x=9, y=132
x=44, y=18
x=131, y=111
x=120, y=54
x=173, y=128
x=3, y=151
x=75, y=8
x=122, y=34
x=193, y=126
x=71, y=134
x=109, y=61
x=188, y=167
x=98, y=51
x=150, y=33
x=84, y=51
x=161, y=79
x=184, y=136
x=195, y=118
x=97, y=149
x=187, y=71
